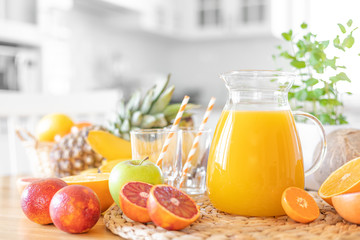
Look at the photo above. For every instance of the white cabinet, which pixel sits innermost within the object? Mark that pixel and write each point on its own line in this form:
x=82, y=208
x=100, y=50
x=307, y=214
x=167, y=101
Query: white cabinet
x=20, y=40
x=213, y=19
x=208, y=19
x=18, y=22
x=41, y=55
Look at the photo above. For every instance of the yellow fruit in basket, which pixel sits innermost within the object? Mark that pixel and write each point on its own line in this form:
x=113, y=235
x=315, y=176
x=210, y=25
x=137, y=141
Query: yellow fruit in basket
x=108, y=145
x=51, y=125
x=108, y=166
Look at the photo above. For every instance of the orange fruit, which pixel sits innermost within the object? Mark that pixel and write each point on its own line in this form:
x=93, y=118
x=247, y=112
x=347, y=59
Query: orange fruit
x=51, y=125
x=79, y=125
x=132, y=199
x=171, y=208
x=98, y=182
x=108, y=145
x=345, y=179
x=348, y=206
x=36, y=199
x=75, y=209
x=299, y=205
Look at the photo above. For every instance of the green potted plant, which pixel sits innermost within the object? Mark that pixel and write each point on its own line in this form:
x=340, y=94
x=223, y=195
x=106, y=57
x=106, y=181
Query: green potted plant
x=317, y=89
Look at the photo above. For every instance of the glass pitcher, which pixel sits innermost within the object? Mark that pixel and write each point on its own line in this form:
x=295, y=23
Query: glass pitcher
x=255, y=152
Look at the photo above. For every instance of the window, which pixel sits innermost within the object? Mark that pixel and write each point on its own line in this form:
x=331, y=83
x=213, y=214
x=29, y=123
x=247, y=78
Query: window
x=210, y=13
x=252, y=11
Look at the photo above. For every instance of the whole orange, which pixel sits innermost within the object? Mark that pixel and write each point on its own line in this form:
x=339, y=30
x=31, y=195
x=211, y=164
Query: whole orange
x=348, y=206
x=36, y=198
x=75, y=209
x=51, y=125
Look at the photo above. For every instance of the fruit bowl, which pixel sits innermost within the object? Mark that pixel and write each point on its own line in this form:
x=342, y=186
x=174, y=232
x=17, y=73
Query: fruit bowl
x=38, y=153
x=70, y=155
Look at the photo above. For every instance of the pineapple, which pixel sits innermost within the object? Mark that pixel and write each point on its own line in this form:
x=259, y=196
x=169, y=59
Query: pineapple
x=153, y=111
x=72, y=154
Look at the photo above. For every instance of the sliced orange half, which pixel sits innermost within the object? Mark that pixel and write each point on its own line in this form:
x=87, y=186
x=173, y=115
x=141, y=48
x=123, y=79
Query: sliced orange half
x=170, y=208
x=345, y=179
x=98, y=182
x=299, y=205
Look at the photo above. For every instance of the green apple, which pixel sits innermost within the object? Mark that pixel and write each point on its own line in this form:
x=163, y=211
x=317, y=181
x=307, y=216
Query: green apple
x=133, y=170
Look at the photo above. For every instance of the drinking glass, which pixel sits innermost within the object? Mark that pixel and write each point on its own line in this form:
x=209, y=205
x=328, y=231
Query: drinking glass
x=195, y=178
x=149, y=143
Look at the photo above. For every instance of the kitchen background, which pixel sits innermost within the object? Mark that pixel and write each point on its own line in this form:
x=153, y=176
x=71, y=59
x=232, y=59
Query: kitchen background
x=80, y=56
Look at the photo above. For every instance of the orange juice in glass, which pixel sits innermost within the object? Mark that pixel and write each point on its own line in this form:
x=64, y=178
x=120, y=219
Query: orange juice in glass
x=256, y=153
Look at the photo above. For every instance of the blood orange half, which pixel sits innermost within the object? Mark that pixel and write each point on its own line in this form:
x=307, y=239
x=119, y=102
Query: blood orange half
x=171, y=208
x=132, y=199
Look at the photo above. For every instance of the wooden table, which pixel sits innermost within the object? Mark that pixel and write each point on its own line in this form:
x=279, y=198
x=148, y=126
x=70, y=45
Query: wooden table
x=14, y=224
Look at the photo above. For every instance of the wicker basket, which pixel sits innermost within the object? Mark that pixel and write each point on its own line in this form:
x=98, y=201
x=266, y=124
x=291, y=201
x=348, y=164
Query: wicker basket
x=38, y=153
x=214, y=224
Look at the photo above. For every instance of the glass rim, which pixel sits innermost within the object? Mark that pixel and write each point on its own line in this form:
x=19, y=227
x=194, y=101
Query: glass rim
x=167, y=130
x=258, y=73
x=151, y=130
x=191, y=129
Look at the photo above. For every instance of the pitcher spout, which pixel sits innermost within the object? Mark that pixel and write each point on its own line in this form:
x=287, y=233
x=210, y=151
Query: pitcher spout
x=259, y=89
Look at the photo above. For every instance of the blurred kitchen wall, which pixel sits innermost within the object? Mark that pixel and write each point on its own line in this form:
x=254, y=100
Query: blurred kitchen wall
x=106, y=52
x=101, y=44
x=61, y=47
x=197, y=66
x=114, y=44
x=117, y=43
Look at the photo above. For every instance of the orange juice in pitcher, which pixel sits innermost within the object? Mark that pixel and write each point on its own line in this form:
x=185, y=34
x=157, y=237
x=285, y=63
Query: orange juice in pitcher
x=256, y=153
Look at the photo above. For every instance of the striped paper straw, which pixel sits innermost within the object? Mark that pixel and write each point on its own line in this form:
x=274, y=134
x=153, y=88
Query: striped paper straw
x=173, y=128
x=195, y=144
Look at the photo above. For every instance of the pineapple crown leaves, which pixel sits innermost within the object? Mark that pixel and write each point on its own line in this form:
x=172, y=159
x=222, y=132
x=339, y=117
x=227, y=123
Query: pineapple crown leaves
x=153, y=111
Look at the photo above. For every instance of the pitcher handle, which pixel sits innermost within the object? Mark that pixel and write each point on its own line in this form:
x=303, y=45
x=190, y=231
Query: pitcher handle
x=318, y=161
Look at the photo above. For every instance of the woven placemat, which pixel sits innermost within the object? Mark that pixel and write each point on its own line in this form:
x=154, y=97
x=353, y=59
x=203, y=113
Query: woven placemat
x=214, y=224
